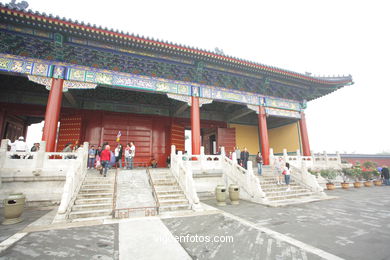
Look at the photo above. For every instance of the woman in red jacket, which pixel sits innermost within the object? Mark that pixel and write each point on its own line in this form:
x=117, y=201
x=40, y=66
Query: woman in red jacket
x=105, y=159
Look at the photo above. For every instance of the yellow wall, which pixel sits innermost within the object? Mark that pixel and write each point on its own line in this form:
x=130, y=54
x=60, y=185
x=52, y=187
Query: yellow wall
x=247, y=136
x=284, y=137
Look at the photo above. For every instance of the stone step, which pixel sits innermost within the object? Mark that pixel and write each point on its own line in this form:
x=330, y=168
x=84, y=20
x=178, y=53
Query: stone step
x=281, y=188
x=176, y=207
x=96, y=190
x=171, y=191
x=167, y=181
x=284, y=192
x=94, y=195
x=274, y=185
x=84, y=207
x=90, y=213
x=288, y=196
x=176, y=195
x=99, y=182
x=97, y=185
x=92, y=201
x=164, y=202
x=274, y=181
x=91, y=218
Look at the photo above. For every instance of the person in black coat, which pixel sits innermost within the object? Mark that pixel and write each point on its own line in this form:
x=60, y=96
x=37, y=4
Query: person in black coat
x=386, y=175
x=244, y=158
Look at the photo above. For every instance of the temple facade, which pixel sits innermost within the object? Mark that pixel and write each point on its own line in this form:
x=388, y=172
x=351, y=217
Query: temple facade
x=89, y=83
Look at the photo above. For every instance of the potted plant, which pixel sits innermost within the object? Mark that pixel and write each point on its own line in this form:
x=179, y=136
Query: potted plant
x=330, y=176
x=356, y=172
x=367, y=171
x=346, y=172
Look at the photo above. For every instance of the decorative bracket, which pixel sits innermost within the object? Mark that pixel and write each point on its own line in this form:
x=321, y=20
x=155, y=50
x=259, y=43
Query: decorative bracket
x=68, y=84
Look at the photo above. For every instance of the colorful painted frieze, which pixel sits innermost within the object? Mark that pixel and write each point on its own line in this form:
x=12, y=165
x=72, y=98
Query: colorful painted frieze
x=282, y=113
x=282, y=103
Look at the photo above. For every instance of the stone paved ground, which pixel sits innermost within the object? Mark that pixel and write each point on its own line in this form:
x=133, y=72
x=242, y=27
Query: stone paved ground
x=355, y=226
x=242, y=241
x=29, y=215
x=94, y=242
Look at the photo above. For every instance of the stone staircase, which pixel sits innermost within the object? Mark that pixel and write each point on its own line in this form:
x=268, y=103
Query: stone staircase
x=278, y=195
x=169, y=193
x=95, y=198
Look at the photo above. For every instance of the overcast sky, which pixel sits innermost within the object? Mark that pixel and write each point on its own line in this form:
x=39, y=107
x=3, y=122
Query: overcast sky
x=322, y=37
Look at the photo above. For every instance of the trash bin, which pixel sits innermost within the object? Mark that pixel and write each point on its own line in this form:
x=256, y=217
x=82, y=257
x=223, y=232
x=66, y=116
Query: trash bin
x=13, y=208
x=234, y=194
x=220, y=195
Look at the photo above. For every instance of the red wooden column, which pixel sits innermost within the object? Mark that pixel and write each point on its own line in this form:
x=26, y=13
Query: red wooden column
x=263, y=132
x=304, y=135
x=195, y=125
x=52, y=114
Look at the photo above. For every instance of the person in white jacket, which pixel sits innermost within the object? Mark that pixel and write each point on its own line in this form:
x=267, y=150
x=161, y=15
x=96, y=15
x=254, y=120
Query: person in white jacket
x=286, y=173
x=19, y=146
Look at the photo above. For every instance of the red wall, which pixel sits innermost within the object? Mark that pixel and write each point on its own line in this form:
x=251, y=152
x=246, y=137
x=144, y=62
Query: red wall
x=379, y=161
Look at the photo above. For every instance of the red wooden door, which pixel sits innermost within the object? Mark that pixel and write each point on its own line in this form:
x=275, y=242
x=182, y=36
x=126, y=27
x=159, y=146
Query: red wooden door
x=177, y=136
x=69, y=132
x=226, y=137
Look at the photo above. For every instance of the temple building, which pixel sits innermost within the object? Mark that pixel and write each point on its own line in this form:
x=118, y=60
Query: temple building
x=89, y=83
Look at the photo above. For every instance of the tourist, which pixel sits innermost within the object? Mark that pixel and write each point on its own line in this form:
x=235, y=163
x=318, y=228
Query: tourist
x=127, y=156
x=278, y=169
x=118, y=156
x=286, y=172
x=99, y=150
x=153, y=163
x=238, y=155
x=168, y=161
x=185, y=156
x=259, y=160
x=105, y=159
x=386, y=175
x=35, y=147
x=244, y=158
x=68, y=148
x=132, y=155
x=91, y=157
x=19, y=146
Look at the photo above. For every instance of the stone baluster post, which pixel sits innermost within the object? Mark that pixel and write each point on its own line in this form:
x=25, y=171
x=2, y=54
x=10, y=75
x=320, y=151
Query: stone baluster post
x=40, y=160
x=285, y=155
x=326, y=159
x=202, y=159
x=338, y=157
x=234, y=158
x=271, y=156
x=3, y=155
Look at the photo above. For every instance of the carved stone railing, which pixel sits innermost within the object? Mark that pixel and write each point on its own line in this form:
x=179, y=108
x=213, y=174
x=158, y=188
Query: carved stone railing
x=75, y=176
x=244, y=178
x=315, y=161
x=302, y=176
x=181, y=168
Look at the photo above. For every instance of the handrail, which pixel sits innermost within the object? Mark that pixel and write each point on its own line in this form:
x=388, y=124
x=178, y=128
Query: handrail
x=306, y=179
x=74, y=178
x=115, y=191
x=153, y=190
